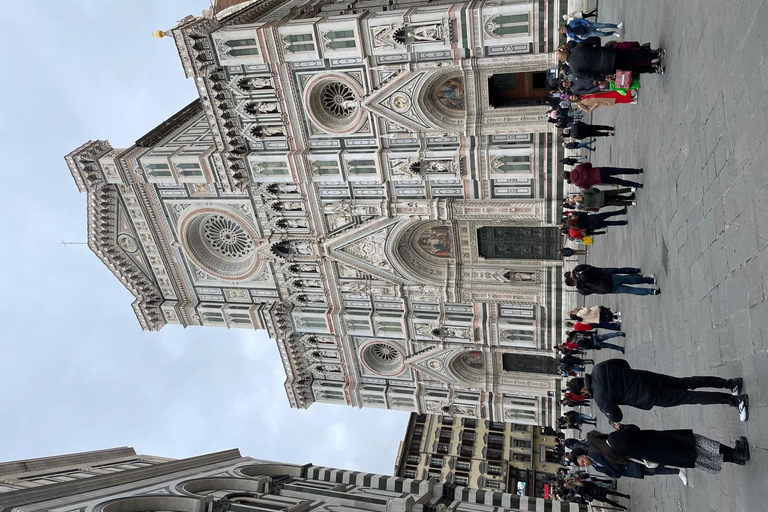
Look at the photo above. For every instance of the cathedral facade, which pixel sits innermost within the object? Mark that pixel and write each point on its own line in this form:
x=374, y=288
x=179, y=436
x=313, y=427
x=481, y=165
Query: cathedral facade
x=370, y=181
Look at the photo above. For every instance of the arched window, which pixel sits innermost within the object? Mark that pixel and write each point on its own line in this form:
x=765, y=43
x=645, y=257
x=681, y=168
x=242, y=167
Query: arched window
x=240, y=47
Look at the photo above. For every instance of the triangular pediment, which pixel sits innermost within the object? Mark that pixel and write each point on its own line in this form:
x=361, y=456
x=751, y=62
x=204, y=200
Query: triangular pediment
x=397, y=101
x=434, y=362
x=364, y=249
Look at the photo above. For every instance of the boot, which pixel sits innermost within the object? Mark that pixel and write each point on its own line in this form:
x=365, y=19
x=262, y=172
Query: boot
x=741, y=451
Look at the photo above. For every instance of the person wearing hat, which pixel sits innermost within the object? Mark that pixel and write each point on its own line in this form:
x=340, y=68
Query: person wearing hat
x=585, y=457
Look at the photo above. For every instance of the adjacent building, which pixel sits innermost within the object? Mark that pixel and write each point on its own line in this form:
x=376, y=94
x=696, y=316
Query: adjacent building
x=370, y=181
x=227, y=481
x=498, y=456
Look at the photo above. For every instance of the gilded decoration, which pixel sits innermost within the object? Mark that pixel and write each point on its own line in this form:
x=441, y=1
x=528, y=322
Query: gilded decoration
x=450, y=93
x=437, y=241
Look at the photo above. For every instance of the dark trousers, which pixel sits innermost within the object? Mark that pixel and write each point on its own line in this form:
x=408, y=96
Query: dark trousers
x=660, y=470
x=676, y=391
x=607, y=176
x=615, y=197
x=636, y=60
x=598, y=220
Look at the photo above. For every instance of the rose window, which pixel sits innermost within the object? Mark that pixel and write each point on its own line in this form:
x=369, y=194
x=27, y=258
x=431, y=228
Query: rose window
x=333, y=103
x=383, y=358
x=338, y=99
x=227, y=237
x=220, y=243
x=384, y=352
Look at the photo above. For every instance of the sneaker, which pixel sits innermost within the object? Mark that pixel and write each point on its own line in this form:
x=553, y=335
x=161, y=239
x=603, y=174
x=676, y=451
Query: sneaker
x=659, y=70
x=736, y=385
x=633, y=189
x=622, y=334
x=657, y=291
x=662, y=54
x=683, y=475
x=634, y=203
x=623, y=351
x=642, y=170
x=616, y=35
x=653, y=277
x=743, y=407
x=620, y=25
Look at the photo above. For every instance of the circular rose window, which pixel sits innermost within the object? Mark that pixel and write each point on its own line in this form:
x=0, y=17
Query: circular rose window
x=333, y=103
x=220, y=243
x=383, y=358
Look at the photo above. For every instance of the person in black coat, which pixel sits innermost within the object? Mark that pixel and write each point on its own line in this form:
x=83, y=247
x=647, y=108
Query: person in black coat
x=591, y=491
x=590, y=60
x=613, y=383
x=679, y=448
x=588, y=280
x=594, y=221
x=580, y=130
x=586, y=457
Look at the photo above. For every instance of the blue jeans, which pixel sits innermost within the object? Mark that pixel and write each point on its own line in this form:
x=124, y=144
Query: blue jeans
x=621, y=284
x=594, y=32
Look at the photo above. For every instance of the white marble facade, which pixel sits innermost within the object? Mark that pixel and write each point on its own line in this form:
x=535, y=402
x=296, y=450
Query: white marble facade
x=372, y=182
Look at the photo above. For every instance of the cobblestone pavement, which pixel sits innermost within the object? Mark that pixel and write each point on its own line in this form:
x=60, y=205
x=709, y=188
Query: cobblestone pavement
x=701, y=226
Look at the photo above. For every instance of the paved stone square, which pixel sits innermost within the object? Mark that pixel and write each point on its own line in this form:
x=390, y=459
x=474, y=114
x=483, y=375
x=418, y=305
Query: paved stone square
x=701, y=225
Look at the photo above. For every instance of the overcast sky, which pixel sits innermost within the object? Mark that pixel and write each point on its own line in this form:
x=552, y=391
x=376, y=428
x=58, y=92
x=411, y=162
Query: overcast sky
x=78, y=371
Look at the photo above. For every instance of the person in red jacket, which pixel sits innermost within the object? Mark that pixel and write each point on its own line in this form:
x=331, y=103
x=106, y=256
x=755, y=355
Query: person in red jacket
x=586, y=176
x=580, y=326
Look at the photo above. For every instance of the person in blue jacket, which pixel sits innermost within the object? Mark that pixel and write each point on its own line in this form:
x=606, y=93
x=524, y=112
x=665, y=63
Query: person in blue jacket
x=579, y=29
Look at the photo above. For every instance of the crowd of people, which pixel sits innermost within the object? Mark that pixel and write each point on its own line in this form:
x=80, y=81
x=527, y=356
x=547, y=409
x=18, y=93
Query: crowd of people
x=593, y=75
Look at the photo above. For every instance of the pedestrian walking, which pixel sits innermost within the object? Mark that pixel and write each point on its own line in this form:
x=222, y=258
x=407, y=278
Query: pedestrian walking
x=613, y=383
x=591, y=491
x=588, y=280
x=576, y=419
x=575, y=14
x=590, y=102
x=567, y=252
x=593, y=341
x=580, y=145
x=590, y=60
x=596, y=198
x=679, y=448
x=594, y=314
x=571, y=160
x=580, y=29
x=584, y=327
x=580, y=130
x=594, y=221
x=570, y=360
x=586, y=457
x=586, y=176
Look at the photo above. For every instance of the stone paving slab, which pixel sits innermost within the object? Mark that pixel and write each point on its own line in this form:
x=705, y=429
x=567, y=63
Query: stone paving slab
x=701, y=226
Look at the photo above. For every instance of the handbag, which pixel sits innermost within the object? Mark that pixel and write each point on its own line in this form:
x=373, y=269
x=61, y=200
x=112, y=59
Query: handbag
x=623, y=79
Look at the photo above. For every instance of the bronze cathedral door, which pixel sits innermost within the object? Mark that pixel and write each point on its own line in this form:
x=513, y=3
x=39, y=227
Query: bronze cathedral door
x=526, y=363
x=519, y=243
